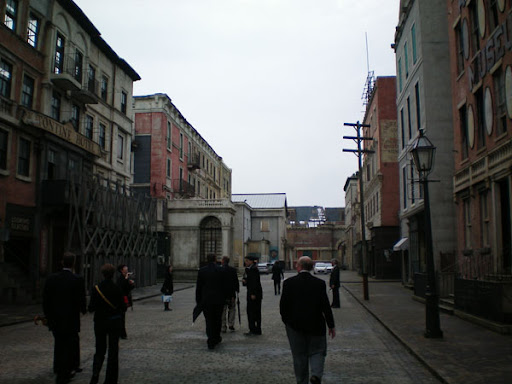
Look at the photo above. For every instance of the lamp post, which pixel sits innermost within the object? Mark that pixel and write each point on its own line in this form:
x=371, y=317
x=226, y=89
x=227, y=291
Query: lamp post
x=423, y=152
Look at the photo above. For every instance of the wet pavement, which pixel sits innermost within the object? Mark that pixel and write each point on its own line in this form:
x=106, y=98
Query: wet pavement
x=378, y=341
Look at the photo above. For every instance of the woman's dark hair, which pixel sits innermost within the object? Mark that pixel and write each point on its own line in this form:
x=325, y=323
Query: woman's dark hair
x=120, y=267
x=108, y=270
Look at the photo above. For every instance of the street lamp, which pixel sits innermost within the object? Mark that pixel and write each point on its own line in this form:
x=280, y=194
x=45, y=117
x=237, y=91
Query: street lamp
x=423, y=156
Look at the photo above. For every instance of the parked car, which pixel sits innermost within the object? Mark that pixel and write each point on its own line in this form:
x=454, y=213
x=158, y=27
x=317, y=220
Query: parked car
x=265, y=268
x=322, y=268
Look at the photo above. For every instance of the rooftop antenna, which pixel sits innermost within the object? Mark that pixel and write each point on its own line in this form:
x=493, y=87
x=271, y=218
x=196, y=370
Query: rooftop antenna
x=370, y=79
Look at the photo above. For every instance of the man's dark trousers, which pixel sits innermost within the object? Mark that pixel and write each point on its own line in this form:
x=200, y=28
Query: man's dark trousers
x=254, y=315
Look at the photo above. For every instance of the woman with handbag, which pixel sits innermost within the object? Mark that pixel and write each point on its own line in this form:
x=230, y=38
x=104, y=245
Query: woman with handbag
x=108, y=306
x=167, y=287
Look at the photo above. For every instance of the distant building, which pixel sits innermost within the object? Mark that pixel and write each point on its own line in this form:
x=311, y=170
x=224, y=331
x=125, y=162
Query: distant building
x=381, y=182
x=316, y=232
x=481, y=81
x=262, y=232
x=175, y=165
x=351, y=246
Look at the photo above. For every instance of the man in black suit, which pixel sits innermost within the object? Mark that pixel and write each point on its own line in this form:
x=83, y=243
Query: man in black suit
x=210, y=296
x=63, y=300
x=334, y=282
x=232, y=289
x=305, y=310
x=251, y=280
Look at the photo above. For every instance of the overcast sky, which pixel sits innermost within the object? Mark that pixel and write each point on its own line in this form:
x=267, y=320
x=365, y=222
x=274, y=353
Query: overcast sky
x=268, y=83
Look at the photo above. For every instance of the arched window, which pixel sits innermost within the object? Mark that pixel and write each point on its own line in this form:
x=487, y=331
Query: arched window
x=211, y=238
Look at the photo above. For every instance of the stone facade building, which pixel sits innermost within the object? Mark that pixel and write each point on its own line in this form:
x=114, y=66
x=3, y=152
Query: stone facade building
x=481, y=80
x=175, y=165
x=424, y=103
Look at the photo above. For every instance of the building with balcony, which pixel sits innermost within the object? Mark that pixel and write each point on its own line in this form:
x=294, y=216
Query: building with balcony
x=351, y=245
x=65, y=141
x=380, y=175
x=424, y=103
x=481, y=82
x=175, y=164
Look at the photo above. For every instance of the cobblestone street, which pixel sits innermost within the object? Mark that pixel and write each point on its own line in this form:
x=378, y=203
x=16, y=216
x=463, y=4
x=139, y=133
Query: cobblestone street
x=164, y=347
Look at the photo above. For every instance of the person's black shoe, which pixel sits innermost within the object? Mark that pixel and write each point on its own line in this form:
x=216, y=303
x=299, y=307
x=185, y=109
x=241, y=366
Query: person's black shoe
x=249, y=334
x=315, y=380
x=232, y=329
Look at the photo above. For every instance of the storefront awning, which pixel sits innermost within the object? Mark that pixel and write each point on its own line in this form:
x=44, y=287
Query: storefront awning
x=401, y=244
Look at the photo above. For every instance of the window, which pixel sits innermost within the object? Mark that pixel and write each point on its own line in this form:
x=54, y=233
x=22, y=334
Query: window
x=91, y=79
x=4, y=138
x=460, y=48
x=75, y=117
x=104, y=88
x=33, y=30
x=77, y=74
x=189, y=153
x=418, y=106
x=464, y=142
x=24, y=157
x=169, y=141
x=500, y=102
x=5, y=79
x=59, y=54
x=414, y=50
x=124, y=101
x=406, y=58
x=120, y=147
x=404, y=186
x=55, y=109
x=409, y=124
x=89, y=123
x=413, y=189
x=480, y=116
x=11, y=14
x=484, y=219
x=475, y=30
x=168, y=169
x=101, y=136
x=27, y=92
x=402, y=127
x=467, y=223
x=181, y=145
x=52, y=165
x=400, y=85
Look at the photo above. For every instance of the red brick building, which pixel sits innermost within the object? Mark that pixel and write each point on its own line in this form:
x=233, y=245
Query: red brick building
x=381, y=179
x=481, y=72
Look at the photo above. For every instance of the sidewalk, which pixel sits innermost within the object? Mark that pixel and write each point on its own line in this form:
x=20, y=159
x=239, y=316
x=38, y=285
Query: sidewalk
x=11, y=314
x=467, y=353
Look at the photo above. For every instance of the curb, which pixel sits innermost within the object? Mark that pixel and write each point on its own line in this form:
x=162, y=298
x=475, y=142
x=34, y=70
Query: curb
x=399, y=339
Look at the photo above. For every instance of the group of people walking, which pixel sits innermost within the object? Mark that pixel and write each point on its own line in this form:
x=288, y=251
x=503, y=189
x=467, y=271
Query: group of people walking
x=304, y=308
x=63, y=301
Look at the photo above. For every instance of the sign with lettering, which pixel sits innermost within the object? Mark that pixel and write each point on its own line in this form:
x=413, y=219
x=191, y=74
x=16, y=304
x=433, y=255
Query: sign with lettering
x=66, y=132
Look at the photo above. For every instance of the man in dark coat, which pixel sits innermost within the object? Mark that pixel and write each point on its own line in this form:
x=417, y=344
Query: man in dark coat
x=305, y=310
x=210, y=296
x=108, y=306
x=334, y=283
x=126, y=285
x=251, y=280
x=63, y=300
x=232, y=289
x=277, y=273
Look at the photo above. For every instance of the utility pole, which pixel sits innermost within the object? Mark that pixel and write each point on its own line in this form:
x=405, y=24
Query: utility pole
x=359, y=153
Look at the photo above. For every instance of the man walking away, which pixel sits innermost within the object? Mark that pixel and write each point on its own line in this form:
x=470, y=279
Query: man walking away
x=251, y=280
x=334, y=282
x=232, y=289
x=277, y=274
x=63, y=300
x=210, y=295
x=305, y=310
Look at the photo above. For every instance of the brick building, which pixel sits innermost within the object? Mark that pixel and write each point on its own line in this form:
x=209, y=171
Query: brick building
x=65, y=136
x=481, y=80
x=381, y=182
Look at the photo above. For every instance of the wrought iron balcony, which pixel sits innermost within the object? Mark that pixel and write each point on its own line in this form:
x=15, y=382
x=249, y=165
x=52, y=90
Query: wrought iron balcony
x=194, y=162
x=183, y=188
x=67, y=75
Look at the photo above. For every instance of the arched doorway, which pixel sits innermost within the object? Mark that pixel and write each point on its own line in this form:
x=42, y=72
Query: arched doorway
x=210, y=238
